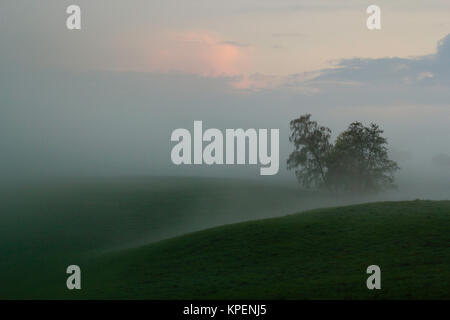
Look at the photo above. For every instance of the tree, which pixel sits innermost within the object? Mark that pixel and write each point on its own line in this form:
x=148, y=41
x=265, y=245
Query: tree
x=312, y=148
x=358, y=161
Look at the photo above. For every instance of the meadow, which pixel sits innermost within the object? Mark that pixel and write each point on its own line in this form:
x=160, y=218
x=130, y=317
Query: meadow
x=185, y=238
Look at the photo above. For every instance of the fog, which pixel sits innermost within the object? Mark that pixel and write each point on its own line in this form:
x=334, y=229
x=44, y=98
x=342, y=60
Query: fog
x=56, y=124
x=64, y=112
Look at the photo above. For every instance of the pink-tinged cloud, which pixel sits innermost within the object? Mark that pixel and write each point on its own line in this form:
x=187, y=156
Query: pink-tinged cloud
x=194, y=52
x=199, y=52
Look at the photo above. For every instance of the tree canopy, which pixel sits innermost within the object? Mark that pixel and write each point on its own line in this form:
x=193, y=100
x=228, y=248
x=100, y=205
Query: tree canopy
x=357, y=162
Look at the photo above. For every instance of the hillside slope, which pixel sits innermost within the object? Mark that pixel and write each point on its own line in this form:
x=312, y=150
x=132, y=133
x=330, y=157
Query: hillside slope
x=44, y=227
x=319, y=254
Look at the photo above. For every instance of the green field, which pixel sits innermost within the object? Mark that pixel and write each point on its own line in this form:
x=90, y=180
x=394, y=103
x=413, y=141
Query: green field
x=114, y=231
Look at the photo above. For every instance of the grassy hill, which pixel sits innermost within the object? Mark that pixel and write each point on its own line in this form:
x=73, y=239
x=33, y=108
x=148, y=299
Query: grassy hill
x=46, y=227
x=319, y=254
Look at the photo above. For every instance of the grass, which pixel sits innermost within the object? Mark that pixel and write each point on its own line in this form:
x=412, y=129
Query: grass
x=46, y=227
x=318, y=254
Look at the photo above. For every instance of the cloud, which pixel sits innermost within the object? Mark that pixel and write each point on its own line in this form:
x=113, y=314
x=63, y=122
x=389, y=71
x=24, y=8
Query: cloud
x=196, y=52
x=383, y=81
x=421, y=71
x=360, y=81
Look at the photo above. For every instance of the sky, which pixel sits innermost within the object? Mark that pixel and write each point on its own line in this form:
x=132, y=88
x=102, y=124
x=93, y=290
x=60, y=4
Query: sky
x=213, y=37
x=103, y=100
